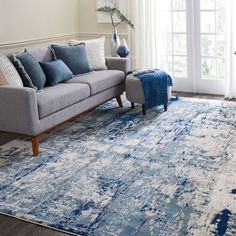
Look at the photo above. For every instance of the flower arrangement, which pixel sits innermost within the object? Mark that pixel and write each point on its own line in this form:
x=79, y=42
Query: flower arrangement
x=115, y=12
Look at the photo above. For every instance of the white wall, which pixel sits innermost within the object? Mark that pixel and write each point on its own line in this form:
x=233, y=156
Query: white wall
x=88, y=20
x=89, y=28
x=25, y=22
x=28, y=23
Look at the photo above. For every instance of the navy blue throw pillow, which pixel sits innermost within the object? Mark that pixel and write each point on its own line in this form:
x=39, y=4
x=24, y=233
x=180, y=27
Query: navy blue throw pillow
x=29, y=69
x=74, y=56
x=56, y=72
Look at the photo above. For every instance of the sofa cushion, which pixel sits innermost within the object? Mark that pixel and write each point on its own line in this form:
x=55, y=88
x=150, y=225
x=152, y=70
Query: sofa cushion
x=53, y=99
x=99, y=81
x=29, y=69
x=8, y=73
x=56, y=72
x=74, y=56
x=96, y=52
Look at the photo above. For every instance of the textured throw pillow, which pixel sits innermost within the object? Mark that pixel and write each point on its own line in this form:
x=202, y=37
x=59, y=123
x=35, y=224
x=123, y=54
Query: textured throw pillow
x=75, y=57
x=8, y=73
x=96, y=52
x=29, y=69
x=56, y=72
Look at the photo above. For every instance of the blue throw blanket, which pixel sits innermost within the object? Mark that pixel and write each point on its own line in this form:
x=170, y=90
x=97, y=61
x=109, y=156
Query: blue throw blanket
x=155, y=86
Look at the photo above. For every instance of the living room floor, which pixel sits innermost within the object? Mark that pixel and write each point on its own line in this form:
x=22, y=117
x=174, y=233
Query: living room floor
x=11, y=226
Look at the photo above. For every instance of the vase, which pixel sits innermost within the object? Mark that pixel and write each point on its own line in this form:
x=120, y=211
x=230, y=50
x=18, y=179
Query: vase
x=123, y=50
x=115, y=42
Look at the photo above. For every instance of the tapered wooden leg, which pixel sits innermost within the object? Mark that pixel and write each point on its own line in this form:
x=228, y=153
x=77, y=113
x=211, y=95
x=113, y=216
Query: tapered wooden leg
x=165, y=107
x=144, y=109
x=35, y=145
x=118, y=99
x=132, y=105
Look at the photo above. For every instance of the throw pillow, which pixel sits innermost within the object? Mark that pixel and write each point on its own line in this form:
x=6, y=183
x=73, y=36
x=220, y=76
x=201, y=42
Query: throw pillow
x=75, y=57
x=8, y=73
x=56, y=72
x=29, y=69
x=96, y=52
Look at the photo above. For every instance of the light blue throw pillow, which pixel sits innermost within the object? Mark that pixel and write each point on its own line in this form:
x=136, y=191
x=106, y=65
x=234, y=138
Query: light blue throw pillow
x=56, y=72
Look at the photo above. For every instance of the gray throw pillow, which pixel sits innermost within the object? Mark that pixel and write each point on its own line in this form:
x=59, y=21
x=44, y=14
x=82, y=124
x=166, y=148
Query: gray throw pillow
x=30, y=70
x=74, y=56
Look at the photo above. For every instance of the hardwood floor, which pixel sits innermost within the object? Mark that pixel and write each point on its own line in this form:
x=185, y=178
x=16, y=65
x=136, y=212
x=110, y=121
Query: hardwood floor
x=14, y=227
x=5, y=138
x=201, y=95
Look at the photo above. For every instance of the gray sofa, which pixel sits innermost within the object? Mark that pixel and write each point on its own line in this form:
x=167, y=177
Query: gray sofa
x=25, y=111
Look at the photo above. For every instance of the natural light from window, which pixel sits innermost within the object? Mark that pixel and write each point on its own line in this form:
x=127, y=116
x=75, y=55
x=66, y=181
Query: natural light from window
x=182, y=41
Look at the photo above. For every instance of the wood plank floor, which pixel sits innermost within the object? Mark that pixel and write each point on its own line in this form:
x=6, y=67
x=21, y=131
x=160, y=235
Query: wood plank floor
x=14, y=227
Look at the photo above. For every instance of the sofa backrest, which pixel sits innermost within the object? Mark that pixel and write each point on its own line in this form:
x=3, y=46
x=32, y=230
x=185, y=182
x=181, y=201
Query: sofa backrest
x=41, y=54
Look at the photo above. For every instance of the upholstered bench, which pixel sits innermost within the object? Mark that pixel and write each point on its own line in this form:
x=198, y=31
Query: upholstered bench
x=135, y=94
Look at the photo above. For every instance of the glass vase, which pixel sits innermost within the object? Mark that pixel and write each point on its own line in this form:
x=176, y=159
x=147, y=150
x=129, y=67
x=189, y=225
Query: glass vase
x=115, y=42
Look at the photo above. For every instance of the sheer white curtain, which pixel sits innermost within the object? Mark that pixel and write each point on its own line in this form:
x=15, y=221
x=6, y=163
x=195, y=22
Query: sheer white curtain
x=147, y=44
x=150, y=44
x=230, y=91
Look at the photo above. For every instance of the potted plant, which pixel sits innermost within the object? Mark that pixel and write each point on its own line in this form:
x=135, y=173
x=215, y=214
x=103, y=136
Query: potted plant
x=115, y=40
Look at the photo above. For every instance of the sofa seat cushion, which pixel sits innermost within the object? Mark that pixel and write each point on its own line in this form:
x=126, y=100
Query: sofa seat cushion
x=53, y=99
x=99, y=81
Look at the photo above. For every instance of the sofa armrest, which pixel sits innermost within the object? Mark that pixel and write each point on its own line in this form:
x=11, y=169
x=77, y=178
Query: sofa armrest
x=19, y=111
x=118, y=63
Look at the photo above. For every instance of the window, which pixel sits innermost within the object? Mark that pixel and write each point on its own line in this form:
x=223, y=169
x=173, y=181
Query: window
x=175, y=39
x=194, y=44
x=212, y=14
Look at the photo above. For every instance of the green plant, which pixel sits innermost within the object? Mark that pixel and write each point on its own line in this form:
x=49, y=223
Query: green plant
x=112, y=12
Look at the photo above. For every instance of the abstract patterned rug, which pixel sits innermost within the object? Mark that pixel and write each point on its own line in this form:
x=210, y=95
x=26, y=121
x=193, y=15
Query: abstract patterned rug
x=115, y=172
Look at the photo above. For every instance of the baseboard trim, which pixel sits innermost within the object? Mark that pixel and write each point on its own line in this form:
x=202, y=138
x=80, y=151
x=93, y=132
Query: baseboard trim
x=30, y=42
x=85, y=35
x=17, y=45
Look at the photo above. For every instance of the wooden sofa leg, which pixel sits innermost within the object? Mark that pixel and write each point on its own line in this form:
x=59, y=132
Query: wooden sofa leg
x=165, y=107
x=35, y=145
x=118, y=99
x=144, y=109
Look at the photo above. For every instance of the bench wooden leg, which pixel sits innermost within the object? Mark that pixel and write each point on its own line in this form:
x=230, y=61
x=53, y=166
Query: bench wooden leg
x=165, y=107
x=35, y=145
x=132, y=105
x=118, y=99
x=144, y=109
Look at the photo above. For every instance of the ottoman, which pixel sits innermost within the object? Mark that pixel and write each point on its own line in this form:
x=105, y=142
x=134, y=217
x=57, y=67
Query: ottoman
x=134, y=92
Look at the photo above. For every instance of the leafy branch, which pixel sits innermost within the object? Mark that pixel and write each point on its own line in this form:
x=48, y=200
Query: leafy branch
x=112, y=12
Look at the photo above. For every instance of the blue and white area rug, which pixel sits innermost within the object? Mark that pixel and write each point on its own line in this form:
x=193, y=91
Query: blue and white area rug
x=115, y=172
